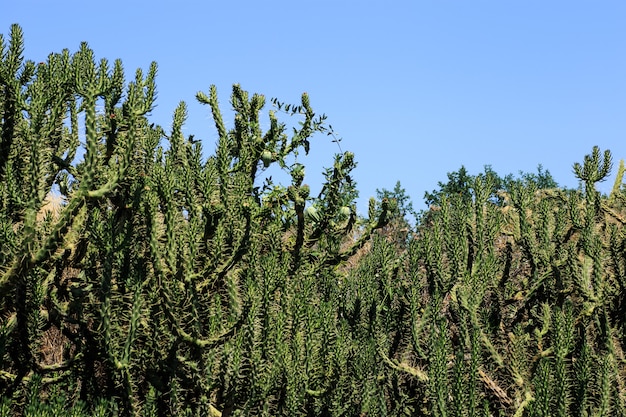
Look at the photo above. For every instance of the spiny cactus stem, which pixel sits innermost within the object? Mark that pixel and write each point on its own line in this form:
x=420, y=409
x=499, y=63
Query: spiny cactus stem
x=613, y=214
x=528, y=399
x=105, y=305
x=62, y=366
x=129, y=391
x=421, y=375
x=215, y=110
x=486, y=342
x=619, y=179
x=26, y=379
x=241, y=249
x=121, y=167
x=54, y=240
x=299, y=208
x=11, y=63
x=134, y=321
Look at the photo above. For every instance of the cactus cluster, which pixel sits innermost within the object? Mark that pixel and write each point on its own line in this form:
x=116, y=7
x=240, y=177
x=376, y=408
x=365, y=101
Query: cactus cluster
x=511, y=307
x=140, y=278
x=163, y=281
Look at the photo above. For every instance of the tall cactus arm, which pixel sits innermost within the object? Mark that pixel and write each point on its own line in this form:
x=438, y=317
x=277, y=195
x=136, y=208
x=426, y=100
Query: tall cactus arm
x=617, y=185
x=14, y=74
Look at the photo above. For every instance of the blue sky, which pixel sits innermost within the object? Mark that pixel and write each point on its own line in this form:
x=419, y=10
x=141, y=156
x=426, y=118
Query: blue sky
x=414, y=88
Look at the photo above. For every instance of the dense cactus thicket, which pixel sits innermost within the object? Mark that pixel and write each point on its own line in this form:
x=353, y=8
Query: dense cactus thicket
x=139, y=278
x=505, y=304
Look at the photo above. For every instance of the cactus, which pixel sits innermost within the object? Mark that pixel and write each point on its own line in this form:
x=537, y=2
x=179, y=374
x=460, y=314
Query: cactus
x=174, y=278
x=524, y=285
x=168, y=283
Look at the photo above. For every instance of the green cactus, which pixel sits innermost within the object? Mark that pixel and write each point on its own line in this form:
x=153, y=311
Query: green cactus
x=167, y=283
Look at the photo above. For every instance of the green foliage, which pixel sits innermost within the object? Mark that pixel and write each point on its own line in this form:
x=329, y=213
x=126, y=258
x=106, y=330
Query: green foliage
x=141, y=279
x=461, y=183
x=514, y=303
x=163, y=282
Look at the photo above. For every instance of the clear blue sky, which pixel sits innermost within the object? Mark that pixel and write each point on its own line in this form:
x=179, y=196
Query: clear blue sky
x=415, y=88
